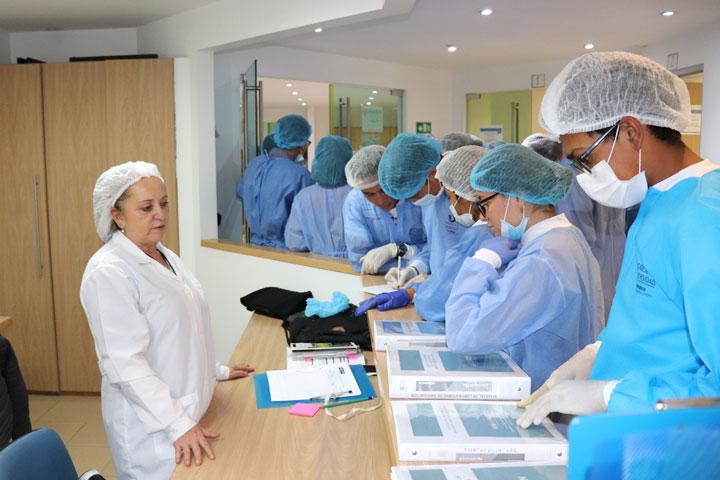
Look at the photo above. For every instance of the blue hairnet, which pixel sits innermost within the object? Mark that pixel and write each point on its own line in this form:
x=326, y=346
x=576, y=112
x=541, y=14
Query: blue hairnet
x=292, y=131
x=406, y=163
x=517, y=171
x=331, y=156
x=494, y=143
x=269, y=142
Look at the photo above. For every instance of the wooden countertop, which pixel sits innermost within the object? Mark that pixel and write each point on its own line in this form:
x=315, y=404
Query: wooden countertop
x=5, y=322
x=324, y=262
x=269, y=443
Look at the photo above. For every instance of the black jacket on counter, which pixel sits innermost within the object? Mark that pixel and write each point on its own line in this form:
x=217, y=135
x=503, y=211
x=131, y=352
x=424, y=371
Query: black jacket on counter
x=14, y=408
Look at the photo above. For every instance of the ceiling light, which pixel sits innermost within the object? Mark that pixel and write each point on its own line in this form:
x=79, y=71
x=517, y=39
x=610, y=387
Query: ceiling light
x=374, y=91
x=486, y=12
x=303, y=104
x=589, y=46
x=668, y=13
x=299, y=99
x=368, y=103
x=288, y=84
x=318, y=30
x=371, y=98
x=451, y=48
x=295, y=93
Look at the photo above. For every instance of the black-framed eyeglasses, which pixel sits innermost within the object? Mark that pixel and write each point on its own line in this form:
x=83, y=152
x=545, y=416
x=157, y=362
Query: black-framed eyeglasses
x=481, y=204
x=580, y=163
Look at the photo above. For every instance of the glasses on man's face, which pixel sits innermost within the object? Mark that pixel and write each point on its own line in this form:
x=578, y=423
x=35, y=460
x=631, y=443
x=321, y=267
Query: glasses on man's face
x=580, y=164
x=483, y=203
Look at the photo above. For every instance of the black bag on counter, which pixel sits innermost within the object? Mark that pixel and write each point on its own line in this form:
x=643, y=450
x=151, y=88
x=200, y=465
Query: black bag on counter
x=341, y=327
x=275, y=302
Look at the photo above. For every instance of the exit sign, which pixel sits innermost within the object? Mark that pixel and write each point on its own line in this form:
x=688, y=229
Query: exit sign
x=423, y=127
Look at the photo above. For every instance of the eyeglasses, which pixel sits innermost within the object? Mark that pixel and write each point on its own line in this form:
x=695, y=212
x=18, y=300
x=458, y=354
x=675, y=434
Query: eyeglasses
x=580, y=164
x=481, y=204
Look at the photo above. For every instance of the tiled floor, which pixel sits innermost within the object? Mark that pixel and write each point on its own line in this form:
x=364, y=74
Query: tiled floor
x=78, y=421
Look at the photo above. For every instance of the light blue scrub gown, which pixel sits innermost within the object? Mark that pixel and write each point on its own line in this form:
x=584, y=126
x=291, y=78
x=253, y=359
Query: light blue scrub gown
x=663, y=336
x=316, y=223
x=604, y=230
x=267, y=190
x=545, y=307
x=431, y=295
x=442, y=232
x=368, y=227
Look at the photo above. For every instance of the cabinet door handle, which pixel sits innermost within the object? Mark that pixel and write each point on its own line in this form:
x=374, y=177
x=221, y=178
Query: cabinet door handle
x=37, y=227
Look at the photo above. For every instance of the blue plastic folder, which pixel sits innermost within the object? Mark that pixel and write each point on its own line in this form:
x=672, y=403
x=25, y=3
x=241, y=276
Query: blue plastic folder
x=262, y=390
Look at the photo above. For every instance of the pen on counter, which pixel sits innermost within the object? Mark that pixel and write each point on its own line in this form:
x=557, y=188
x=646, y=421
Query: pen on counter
x=347, y=401
x=337, y=394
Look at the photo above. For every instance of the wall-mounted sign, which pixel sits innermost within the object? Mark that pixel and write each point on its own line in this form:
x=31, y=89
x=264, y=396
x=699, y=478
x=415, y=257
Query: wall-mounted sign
x=423, y=127
x=490, y=133
x=372, y=119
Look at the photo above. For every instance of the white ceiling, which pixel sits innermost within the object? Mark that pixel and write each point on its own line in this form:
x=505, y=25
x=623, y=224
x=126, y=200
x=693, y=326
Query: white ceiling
x=518, y=31
x=277, y=95
x=35, y=15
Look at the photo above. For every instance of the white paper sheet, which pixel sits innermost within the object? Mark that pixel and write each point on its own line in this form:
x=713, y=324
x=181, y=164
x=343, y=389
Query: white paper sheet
x=378, y=289
x=315, y=382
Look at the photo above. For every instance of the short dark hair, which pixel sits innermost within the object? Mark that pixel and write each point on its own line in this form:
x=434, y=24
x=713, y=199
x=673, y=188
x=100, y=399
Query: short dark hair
x=664, y=134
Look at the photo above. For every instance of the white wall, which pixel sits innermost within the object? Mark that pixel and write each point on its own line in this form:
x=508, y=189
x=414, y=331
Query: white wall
x=4, y=47
x=59, y=46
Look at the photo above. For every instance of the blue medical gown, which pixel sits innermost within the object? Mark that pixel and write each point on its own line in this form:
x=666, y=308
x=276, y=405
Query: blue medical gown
x=431, y=295
x=267, y=190
x=442, y=232
x=368, y=227
x=663, y=335
x=604, y=230
x=316, y=223
x=545, y=306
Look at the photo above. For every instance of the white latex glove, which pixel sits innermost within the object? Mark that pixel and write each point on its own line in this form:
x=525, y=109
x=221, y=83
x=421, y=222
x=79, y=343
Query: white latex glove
x=400, y=278
x=578, y=367
x=376, y=258
x=576, y=397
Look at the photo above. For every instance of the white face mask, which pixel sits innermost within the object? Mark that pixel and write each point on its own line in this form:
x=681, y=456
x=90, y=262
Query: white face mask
x=428, y=199
x=603, y=186
x=464, y=219
x=300, y=158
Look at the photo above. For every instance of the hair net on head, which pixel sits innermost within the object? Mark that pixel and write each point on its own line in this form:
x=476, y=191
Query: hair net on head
x=596, y=90
x=517, y=171
x=455, y=168
x=545, y=145
x=292, y=131
x=269, y=142
x=361, y=171
x=406, y=163
x=110, y=185
x=455, y=140
x=331, y=156
x=494, y=143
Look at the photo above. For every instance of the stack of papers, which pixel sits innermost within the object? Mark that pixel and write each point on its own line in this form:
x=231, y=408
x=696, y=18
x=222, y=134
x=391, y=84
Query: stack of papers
x=312, y=383
x=408, y=334
x=481, y=471
x=448, y=431
x=431, y=372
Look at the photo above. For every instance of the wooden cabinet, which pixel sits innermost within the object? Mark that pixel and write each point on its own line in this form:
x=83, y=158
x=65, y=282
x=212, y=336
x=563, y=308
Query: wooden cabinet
x=66, y=123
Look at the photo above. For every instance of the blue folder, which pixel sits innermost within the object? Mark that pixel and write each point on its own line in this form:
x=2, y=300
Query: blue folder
x=262, y=390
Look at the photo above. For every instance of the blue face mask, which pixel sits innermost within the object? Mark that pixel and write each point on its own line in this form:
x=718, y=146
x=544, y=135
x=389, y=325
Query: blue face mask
x=511, y=232
x=300, y=158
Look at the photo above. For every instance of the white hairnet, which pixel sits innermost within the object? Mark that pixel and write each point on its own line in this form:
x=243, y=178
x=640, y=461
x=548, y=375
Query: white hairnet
x=362, y=169
x=455, y=168
x=596, y=90
x=545, y=145
x=454, y=140
x=110, y=186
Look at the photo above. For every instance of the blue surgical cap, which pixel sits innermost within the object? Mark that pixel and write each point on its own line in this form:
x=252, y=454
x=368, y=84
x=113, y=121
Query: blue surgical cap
x=331, y=156
x=517, y=171
x=269, y=142
x=406, y=163
x=292, y=131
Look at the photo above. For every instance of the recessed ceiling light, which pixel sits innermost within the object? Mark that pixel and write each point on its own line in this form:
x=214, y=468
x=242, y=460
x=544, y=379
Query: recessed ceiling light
x=486, y=12
x=288, y=84
x=371, y=98
x=668, y=13
x=451, y=48
x=318, y=30
x=299, y=99
x=374, y=91
x=295, y=93
x=368, y=103
x=589, y=46
x=303, y=104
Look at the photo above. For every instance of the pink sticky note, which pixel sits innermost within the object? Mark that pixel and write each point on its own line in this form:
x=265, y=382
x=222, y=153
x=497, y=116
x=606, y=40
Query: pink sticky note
x=352, y=356
x=304, y=409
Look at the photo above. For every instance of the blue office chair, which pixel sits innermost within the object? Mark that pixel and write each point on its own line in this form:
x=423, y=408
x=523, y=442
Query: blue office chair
x=40, y=455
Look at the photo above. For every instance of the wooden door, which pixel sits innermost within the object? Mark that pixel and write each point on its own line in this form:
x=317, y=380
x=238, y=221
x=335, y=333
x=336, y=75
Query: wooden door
x=141, y=122
x=76, y=154
x=26, y=291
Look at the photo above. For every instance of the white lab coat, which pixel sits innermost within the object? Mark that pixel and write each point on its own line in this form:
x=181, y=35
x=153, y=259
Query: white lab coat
x=155, y=352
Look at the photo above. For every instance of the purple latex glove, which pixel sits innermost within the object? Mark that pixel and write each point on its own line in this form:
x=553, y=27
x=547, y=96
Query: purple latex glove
x=384, y=301
x=505, y=248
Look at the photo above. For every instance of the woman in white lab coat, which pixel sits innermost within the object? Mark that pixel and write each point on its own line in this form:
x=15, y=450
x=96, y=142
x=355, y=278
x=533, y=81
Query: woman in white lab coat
x=151, y=326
